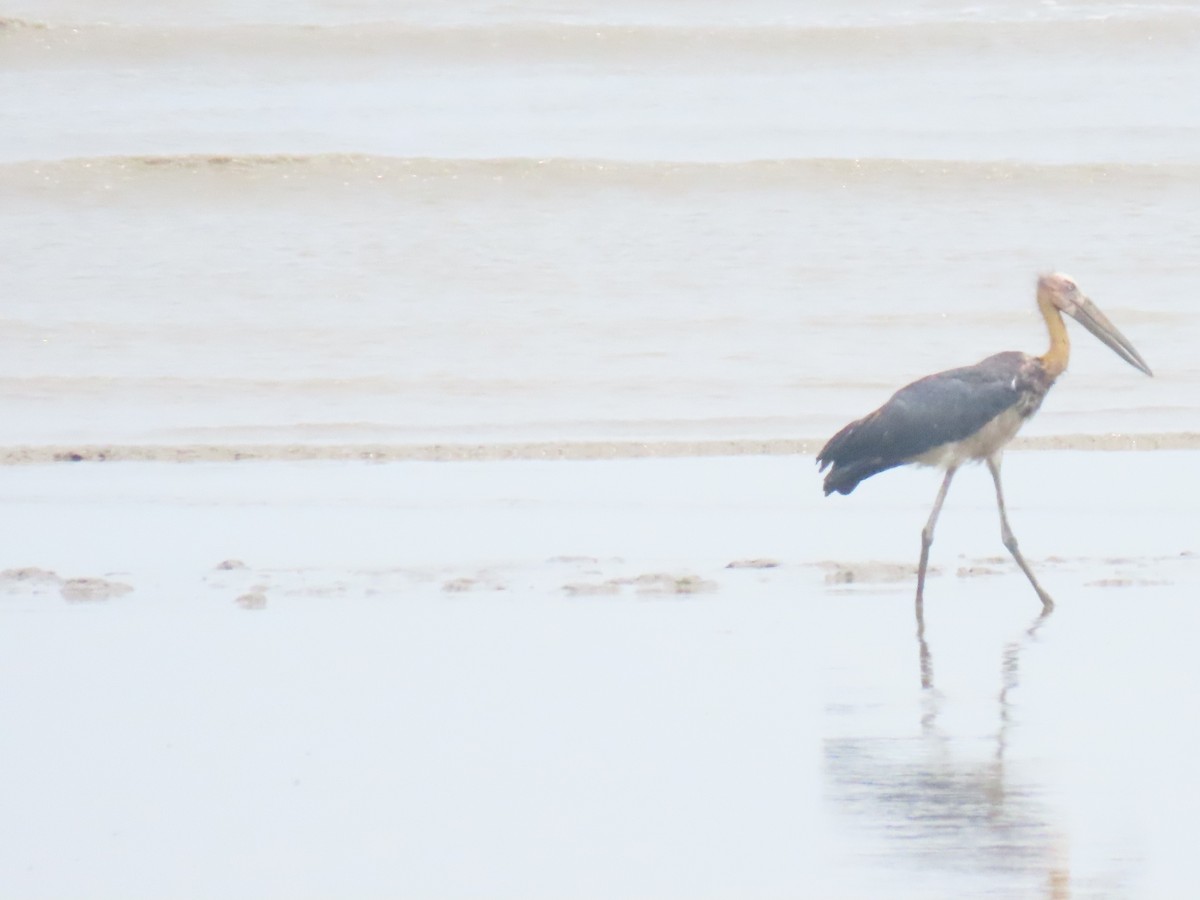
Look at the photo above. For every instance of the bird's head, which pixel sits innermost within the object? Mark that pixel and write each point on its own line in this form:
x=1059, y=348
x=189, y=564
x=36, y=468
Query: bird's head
x=1059, y=291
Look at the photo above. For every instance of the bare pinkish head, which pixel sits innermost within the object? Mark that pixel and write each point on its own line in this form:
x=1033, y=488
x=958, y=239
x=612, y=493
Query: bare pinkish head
x=1061, y=292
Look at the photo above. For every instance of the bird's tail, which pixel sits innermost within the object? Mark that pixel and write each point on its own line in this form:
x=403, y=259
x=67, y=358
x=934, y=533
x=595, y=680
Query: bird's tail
x=851, y=459
x=845, y=476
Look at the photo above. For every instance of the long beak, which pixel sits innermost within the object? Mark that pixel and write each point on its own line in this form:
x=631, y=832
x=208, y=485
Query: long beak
x=1089, y=316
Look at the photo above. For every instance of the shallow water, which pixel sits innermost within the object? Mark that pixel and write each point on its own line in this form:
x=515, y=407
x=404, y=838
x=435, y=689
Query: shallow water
x=327, y=222
x=524, y=678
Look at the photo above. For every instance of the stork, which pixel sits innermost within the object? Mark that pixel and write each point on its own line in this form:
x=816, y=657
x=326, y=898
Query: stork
x=969, y=414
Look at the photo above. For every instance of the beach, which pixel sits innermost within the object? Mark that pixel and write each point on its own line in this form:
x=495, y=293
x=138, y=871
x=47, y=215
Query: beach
x=593, y=678
x=408, y=421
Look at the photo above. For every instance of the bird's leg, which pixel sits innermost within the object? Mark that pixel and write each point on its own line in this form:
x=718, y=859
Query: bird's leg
x=927, y=541
x=1010, y=540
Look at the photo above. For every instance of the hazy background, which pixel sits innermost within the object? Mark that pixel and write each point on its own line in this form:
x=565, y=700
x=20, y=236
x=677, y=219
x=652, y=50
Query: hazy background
x=341, y=222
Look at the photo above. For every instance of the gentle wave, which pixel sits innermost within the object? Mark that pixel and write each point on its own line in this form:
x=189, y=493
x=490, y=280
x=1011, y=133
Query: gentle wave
x=443, y=386
x=534, y=42
x=180, y=386
x=294, y=169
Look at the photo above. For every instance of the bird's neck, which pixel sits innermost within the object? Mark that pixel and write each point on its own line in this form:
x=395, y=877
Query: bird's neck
x=1055, y=359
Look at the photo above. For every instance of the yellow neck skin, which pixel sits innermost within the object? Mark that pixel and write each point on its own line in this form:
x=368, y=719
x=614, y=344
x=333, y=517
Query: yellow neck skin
x=1055, y=359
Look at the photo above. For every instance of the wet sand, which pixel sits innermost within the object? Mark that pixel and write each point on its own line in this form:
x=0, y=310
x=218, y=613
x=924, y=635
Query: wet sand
x=631, y=677
x=527, y=450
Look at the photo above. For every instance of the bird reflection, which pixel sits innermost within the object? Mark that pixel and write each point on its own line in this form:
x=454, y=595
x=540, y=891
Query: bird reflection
x=937, y=802
x=1010, y=677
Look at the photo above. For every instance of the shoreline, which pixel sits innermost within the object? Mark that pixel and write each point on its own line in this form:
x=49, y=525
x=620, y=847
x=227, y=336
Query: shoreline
x=525, y=450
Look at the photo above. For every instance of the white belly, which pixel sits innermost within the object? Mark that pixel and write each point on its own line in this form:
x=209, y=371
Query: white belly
x=987, y=441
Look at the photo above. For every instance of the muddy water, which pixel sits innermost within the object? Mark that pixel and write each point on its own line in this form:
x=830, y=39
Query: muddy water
x=348, y=225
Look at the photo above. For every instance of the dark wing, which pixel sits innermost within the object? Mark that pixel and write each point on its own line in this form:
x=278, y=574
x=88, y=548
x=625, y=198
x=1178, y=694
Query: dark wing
x=936, y=410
